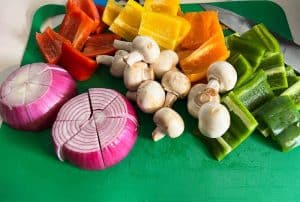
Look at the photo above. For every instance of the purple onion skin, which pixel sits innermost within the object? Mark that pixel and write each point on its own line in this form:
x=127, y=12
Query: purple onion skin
x=107, y=155
x=40, y=113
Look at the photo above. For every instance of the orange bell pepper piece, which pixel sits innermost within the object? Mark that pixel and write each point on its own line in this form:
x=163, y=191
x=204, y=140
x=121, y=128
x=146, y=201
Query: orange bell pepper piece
x=78, y=65
x=197, y=63
x=76, y=26
x=203, y=25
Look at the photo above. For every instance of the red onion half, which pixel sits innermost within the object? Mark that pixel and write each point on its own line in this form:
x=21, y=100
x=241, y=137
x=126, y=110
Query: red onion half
x=32, y=95
x=95, y=130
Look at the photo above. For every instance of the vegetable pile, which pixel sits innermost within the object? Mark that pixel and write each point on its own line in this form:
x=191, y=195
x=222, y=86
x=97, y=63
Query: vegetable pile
x=233, y=85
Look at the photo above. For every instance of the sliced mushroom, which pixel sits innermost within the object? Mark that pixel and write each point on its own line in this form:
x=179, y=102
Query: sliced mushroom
x=117, y=63
x=196, y=98
x=168, y=122
x=167, y=59
x=177, y=86
x=223, y=73
x=150, y=96
x=135, y=74
x=213, y=119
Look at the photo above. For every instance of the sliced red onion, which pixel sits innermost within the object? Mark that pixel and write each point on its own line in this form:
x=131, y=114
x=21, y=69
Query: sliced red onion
x=95, y=130
x=32, y=95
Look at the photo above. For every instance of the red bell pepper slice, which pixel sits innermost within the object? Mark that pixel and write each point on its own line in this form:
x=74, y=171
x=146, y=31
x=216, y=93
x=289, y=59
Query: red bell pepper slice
x=102, y=26
x=49, y=43
x=100, y=44
x=87, y=6
x=76, y=26
x=77, y=64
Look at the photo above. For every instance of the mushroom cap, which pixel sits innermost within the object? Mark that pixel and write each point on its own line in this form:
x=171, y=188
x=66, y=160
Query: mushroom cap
x=167, y=59
x=135, y=74
x=224, y=73
x=213, y=119
x=192, y=106
x=118, y=64
x=147, y=47
x=176, y=82
x=169, y=121
x=150, y=96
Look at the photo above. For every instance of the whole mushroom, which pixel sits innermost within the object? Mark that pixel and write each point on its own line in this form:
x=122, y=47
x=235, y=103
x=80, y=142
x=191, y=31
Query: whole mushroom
x=213, y=119
x=176, y=84
x=168, y=122
x=117, y=63
x=196, y=98
x=135, y=74
x=150, y=96
x=142, y=48
x=167, y=59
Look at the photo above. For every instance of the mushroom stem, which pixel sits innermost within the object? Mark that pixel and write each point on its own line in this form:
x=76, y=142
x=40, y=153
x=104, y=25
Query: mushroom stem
x=104, y=59
x=214, y=84
x=170, y=99
x=208, y=95
x=122, y=45
x=158, y=134
x=134, y=57
x=131, y=95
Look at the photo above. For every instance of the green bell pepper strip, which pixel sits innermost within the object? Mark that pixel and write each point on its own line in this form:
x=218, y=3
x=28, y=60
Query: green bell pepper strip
x=242, y=67
x=289, y=138
x=255, y=92
x=278, y=114
x=294, y=93
x=273, y=65
x=242, y=124
x=251, y=50
x=260, y=34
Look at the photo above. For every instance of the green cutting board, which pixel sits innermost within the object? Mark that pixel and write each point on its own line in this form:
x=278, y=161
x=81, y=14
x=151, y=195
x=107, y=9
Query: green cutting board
x=169, y=170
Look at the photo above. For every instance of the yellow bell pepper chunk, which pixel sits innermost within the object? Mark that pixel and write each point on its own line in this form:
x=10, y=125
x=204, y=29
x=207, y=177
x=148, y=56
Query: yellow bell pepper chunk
x=163, y=28
x=170, y=7
x=128, y=21
x=111, y=11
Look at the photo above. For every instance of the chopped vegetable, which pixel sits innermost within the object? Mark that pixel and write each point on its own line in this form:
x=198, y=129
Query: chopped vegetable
x=203, y=26
x=273, y=65
x=170, y=7
x=261, y=35
x=111, y=11
x=100, y=44
x=76, y=26
x=78, y=65
x=251, y=50
x=49, y=43
x=241, y=126
x=102, y=26
x=95, y=130
x=168, y=122
x=89, y=7
x=127, y=23
x=199, y=60
x=294, y=93
x=255, y=92
x=164, y=29
x=243, y=68
x=31, y=96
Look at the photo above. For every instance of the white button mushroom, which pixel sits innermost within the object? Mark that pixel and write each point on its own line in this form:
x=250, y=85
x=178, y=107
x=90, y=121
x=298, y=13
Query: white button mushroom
x=117, y=63
x=135, y=74
x=223, y=73
x=142, y=48
x=167, y=59
x=213, y=119
x=150, y=96
x=196, y=98
x=176, y=84
x=168, y=122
